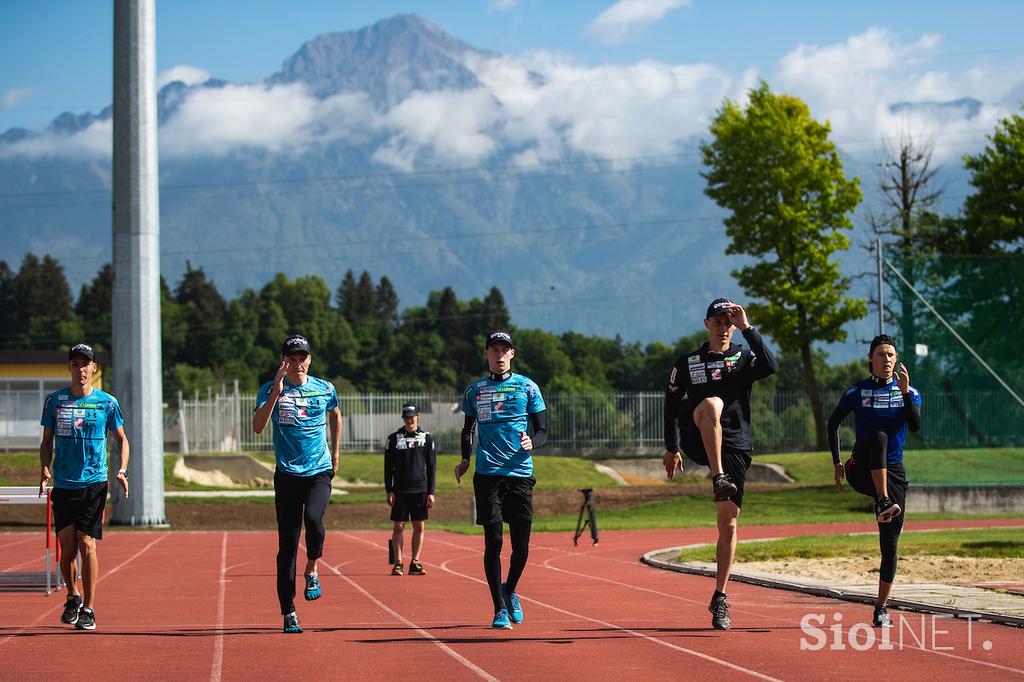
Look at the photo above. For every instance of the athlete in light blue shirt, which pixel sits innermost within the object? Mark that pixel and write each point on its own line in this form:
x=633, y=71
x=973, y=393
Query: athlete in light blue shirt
x=505, y=407
x=75, y=423
x=299, y=406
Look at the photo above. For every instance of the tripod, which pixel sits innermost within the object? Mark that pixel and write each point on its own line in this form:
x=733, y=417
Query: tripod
x=581, y=524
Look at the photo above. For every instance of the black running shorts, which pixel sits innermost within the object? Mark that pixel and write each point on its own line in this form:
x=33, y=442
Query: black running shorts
x=503, y=498
x=409, y=506
x=81, y=507
x=734, y=462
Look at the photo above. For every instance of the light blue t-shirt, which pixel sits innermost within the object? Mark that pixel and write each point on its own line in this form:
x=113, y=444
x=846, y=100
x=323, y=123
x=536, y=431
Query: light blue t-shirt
x=80, y=428
x=502, y=410
x=299, y=417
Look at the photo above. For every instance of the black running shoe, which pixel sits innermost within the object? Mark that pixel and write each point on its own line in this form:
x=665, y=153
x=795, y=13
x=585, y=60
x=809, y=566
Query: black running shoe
x=416, y=568
x=886, y=510
x=719, y=609
x=881, y=618
x=71, y=609
x=723, y=488
x=86, y=619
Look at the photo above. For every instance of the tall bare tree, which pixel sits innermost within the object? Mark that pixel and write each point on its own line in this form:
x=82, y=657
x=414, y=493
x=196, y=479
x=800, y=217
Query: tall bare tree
x=907, y=180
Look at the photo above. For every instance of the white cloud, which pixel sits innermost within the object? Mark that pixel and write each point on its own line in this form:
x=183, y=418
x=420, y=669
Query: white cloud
x=548, y=106
x=551, y=105
x=454, y=127
x=627, y=17
x=14, y=96
x=189, y=75
x=854, y=83
x=502, y=5
x=93, y=142
x=279, y=119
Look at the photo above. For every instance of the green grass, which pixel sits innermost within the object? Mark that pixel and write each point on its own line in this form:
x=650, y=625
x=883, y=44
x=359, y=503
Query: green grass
x=985, y=543
x=551, y=471
x=788, y=506
x=924, y=467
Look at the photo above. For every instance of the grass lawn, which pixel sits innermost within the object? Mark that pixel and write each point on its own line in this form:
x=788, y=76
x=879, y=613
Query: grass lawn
x=924, y=467
x=986, y=543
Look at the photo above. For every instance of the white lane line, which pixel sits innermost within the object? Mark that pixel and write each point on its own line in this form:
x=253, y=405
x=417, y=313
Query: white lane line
x=20, y=542
x=218, y=641
x=101, y=578
x=420, y=631
x=628, y=631
x=547, y=565
x=567, y=554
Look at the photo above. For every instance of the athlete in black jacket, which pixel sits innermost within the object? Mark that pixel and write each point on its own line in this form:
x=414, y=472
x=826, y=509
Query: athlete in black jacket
x=410, y=465
x=708, y=400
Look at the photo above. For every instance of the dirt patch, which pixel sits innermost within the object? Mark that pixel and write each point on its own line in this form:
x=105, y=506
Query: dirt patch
x=913, y=569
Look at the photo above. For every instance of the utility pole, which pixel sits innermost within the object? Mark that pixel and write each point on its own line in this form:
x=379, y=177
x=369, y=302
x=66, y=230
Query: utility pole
x=136, y=225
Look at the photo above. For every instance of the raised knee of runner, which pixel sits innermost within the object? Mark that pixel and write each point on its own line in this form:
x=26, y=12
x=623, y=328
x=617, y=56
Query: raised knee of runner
x=708, y=409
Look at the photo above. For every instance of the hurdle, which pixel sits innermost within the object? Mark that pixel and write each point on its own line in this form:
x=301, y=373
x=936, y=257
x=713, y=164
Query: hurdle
x=30, y=495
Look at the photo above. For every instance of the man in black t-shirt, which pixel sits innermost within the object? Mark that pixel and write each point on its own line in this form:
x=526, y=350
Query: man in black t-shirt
x=410, y=464
x=714, y=418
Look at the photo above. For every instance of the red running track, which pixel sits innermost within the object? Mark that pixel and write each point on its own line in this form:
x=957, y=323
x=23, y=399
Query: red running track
x=201, y=605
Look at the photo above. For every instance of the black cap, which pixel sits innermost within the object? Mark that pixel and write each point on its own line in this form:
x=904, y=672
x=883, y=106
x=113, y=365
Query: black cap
x=881, y=340
x=295, y=343
x=719, y=306
x=82, y=349
x=410, y=410
x=499, y=336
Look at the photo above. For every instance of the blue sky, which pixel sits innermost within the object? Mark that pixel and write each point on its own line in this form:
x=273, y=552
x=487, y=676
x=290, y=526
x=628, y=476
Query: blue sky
x=56, y=54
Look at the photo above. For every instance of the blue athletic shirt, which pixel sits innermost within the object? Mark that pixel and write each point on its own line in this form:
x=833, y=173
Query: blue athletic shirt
x=80, y=428
x=880, y=408
x=501, y=410
x=299, y=417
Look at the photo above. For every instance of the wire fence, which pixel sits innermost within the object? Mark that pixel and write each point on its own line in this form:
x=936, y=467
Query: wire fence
x=582, y=423
x=577, y=423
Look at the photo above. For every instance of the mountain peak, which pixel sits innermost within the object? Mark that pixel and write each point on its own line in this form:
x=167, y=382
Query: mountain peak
x=389, y=60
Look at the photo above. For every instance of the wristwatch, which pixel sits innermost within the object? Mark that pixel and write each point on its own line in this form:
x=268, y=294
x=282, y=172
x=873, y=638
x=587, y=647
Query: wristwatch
x=123, y=472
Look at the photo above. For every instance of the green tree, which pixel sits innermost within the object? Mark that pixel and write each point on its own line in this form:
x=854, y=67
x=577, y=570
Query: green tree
x=95, y=301
x=773, y=167
x=8, y=307
x=994, y=213
x=43, y=298
x=203, y=309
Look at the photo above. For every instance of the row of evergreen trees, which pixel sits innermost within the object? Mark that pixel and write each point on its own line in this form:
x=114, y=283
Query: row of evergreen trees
x=360, y=340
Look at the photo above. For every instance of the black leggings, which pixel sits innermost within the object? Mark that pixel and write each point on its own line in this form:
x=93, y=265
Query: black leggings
x=298, y=500
x=519, y=532
x=870, y=454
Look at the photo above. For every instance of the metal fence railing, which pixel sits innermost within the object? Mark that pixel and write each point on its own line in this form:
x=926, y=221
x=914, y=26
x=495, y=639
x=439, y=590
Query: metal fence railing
x=782, y=421
x=579, y=423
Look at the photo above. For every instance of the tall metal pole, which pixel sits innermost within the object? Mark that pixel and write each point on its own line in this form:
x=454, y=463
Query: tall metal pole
x=881, y=299
x=136, y=304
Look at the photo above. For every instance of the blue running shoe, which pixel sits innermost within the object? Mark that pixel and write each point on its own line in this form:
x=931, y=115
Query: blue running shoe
x=515, y=610
x=501, y=621
x=312, y=587
x=291, y=624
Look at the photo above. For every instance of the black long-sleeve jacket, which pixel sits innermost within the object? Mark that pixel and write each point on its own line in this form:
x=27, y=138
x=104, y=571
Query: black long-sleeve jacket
x=728, y=375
